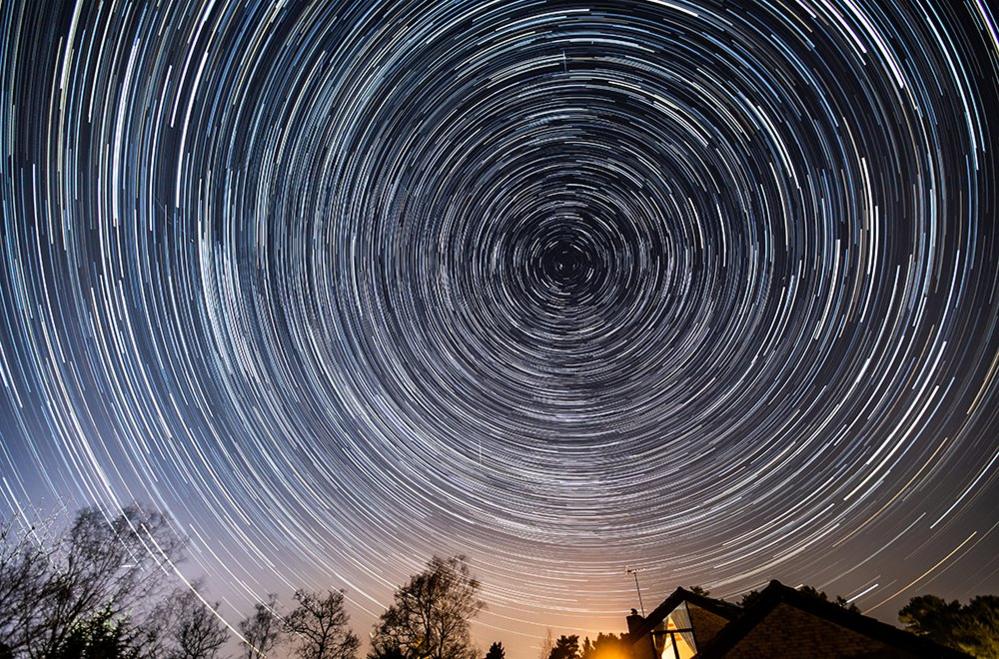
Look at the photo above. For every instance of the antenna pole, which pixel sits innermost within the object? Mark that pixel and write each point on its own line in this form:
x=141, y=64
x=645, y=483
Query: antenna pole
x=634, y=573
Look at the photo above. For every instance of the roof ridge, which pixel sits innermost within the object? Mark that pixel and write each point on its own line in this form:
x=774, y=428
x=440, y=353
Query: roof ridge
x=777, y=593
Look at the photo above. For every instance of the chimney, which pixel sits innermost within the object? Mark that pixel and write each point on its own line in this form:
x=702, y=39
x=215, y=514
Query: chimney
x=642, y=647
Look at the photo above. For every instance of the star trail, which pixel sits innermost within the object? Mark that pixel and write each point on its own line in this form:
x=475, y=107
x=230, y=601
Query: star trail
x=706, y=289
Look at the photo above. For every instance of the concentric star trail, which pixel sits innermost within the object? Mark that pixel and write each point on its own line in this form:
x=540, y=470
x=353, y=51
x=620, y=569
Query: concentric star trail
x=704, y=288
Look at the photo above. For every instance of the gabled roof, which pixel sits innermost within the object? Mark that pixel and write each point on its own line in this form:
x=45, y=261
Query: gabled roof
x=777, y=593
x=722, y=608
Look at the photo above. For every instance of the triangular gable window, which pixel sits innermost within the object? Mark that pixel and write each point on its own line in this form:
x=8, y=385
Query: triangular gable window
x=674, y=637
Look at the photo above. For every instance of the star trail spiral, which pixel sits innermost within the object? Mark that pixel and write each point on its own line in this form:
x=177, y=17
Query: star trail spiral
x=702, y=288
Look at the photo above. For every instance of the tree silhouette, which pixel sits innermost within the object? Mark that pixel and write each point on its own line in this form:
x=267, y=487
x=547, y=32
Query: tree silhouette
x=319, y=625
x=566, y=647
x=931, y=616
x=190, y=629
x=496, y=651
x=973, y=628
x=90, y=586
x=605, y=646
x=753, y=596
x=547, y=645
x=261, y=629
x=385, y=652
x=101, y=634
x=430, y=615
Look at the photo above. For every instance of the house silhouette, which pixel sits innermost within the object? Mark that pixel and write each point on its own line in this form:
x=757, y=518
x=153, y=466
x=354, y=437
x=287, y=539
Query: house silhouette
x=781, y=622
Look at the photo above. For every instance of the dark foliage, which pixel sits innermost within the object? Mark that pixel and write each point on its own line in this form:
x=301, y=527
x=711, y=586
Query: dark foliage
x=750, y=598
x=973, y=628
x=496, y=651
x=430, y=615
x=86, y=591
x=318, y=626
x=261, y=630
x=566, y=647
x=189, y=627
x=101, y=635
x=606, y=646
x=391, y=652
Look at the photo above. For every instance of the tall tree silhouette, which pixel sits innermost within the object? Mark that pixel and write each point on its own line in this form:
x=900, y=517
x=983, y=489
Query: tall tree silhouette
x=318, y=626
x=91, y=584
x=261, y=629
x=189, y=627
x=430, y=615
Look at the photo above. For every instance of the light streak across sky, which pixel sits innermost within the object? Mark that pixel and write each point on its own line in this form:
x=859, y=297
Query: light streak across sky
x=703, y=288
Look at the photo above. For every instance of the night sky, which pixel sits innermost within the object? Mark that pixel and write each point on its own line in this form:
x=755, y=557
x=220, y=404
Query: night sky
x=702, y=288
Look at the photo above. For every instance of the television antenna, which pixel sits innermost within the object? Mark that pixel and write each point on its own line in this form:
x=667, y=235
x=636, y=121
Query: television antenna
x=633, y=571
